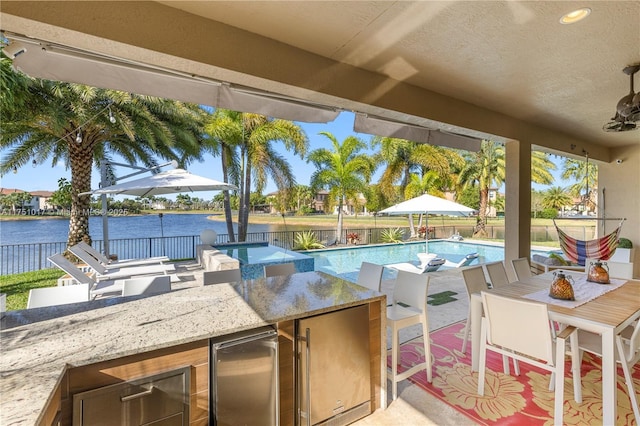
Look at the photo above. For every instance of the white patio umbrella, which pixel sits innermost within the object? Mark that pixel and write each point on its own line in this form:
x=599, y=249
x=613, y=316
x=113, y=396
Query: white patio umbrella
x=169, y=182
x=428, y=204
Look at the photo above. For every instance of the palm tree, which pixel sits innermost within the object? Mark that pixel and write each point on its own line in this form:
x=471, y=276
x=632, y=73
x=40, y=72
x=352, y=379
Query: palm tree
x=586, y=176
x=250, y=158
x=225, y=130
x=403, y=157
x=344, y=171
x=429, y=183
x=487, y=167
x=80, y=126
x=556, y=198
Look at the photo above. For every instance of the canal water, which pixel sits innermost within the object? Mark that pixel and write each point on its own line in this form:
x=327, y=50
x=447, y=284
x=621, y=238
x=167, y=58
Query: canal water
x=145, y=226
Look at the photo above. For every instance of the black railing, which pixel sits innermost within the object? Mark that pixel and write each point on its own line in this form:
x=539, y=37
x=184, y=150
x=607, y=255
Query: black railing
x=17, y=258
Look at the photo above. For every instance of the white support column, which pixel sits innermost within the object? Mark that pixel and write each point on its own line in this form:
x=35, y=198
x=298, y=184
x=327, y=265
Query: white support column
x=517, y=238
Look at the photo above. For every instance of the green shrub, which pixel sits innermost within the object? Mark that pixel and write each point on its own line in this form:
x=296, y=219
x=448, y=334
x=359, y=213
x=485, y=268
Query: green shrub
x=625, y=243
x=307, y=240
x=17, y=286
x=392, y=235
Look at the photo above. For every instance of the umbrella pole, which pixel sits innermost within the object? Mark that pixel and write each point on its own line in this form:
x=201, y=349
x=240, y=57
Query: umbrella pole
x=426, y=233
x=105, y=217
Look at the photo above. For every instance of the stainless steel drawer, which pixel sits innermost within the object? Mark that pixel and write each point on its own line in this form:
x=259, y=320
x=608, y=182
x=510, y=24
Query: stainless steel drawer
x=161, y=399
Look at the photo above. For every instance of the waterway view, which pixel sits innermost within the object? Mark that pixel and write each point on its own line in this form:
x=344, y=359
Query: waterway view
x=144, y=226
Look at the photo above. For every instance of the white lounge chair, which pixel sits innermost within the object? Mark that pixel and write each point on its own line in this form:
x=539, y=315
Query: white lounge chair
x=119, y=263
x=95, y=288
x=431, y=266
x=466, y=261
x=104, y=272
x=60, y=295
x=146, y=285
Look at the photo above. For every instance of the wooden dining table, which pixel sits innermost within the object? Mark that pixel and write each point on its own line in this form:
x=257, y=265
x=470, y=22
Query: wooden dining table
x=605, y=315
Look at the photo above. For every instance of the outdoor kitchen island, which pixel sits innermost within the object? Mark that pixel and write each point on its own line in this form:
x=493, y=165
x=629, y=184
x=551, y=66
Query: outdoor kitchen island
x=50, y=354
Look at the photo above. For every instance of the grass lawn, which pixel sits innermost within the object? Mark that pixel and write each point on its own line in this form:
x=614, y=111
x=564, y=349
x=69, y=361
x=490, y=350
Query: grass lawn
x=17, y=286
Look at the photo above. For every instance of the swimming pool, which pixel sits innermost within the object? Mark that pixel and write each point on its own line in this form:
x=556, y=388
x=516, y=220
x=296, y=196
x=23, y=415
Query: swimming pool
x=345, y=263
x=253, y=257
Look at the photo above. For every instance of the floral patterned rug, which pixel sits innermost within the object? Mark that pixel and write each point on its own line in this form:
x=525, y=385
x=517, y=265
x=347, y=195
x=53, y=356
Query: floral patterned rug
x=509, y=400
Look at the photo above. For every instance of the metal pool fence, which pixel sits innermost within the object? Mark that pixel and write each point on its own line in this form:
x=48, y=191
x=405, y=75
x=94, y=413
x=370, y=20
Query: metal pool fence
x=17, y=258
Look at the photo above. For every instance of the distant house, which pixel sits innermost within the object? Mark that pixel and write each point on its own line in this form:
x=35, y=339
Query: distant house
x=40, y=200
x=321, y=203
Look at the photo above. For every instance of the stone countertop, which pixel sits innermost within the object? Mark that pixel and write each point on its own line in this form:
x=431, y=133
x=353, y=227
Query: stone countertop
x=39, y=344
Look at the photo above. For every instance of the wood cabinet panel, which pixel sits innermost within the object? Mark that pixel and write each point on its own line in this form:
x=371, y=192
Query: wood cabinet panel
x=136, y=366
x=286, y=370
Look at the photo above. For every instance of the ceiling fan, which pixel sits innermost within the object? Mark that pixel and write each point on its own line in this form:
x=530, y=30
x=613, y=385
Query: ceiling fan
x=627, y=116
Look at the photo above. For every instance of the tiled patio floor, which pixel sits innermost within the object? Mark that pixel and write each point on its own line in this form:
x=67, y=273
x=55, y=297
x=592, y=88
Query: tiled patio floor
x=414, y=406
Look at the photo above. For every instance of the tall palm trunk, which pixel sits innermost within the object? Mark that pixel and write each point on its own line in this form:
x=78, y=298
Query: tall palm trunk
x=339, y=230
x=81, y=160
x=227, y=201
x=245, y=202
x=481, y=230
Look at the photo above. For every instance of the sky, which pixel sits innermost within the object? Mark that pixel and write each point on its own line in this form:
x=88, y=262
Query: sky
x=45, y=177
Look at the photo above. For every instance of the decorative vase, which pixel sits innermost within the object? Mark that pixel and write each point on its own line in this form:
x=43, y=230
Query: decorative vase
x=598, y=272
x=561, y=287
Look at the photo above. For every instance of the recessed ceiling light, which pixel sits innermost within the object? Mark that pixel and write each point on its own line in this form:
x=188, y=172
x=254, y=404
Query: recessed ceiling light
x=575, y=16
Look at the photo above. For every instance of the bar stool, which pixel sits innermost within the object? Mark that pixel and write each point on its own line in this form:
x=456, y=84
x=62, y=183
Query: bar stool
x=410, y=290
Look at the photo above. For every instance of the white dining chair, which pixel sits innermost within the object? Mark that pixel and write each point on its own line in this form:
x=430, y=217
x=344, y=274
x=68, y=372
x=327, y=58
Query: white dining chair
x=474, y=282
x=146, y=285
x=59, y=295
x=370, y=275
x=409, y=307
x=497, y=274
x=219, y=277
x=279, y=269
x=627, y=355
x=519, y=329
x=521, y=268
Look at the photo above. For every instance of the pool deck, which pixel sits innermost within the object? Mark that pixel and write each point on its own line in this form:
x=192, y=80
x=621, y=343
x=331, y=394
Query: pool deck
x=414, y=406
x=190, y=275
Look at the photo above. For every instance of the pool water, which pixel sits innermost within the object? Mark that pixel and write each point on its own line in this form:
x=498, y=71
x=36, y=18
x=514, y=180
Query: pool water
x=254, y=256
x=345, y=263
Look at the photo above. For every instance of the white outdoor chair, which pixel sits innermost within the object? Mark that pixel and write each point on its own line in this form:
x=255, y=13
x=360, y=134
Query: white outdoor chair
x=219, y=277
x=104, y=272
x=497, y=274
x=370, y=275
x=475, y=282
x=119, y=263
x=627, y=354
x=96, y=288
x=519, y=329
x=622, y=270
x=522, y=268
x=279, y=269
x=466, y=261
x=411, y=290
x=146, y=285
x=60, y=295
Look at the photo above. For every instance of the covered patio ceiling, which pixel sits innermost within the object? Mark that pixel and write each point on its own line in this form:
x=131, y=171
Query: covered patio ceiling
x=499, y=69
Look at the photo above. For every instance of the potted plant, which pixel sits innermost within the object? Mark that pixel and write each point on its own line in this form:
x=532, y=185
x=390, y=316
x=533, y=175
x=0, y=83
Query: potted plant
x=625, y=251
x=353, y=238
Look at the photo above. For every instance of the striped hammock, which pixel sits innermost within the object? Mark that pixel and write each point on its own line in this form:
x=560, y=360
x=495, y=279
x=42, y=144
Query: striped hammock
x=578, y=251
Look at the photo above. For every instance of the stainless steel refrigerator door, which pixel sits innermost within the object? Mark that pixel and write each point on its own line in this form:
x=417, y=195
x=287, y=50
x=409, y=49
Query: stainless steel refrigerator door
x=334, y=363
x=244, y=385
